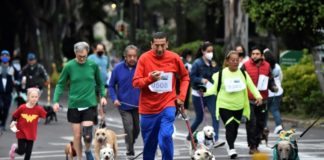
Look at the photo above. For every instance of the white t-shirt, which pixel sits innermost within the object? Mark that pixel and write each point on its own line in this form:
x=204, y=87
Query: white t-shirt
x=278, y=76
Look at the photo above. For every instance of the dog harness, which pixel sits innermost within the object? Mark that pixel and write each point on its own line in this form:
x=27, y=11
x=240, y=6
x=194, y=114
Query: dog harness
x=201, y=138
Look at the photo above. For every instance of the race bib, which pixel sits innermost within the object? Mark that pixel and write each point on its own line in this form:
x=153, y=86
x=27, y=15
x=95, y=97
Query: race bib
x=263, y=83
x=162, y=85
x=234, y=85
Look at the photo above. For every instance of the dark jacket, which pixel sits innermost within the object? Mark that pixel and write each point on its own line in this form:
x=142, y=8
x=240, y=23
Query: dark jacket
x=200, y=70
x=36, y=75
x=9, y=86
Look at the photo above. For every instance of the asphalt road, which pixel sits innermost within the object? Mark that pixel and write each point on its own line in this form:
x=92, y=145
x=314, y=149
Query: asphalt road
x=53, y=137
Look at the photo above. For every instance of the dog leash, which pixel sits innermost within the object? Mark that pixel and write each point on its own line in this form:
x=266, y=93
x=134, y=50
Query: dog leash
x=136, y=156
x=102, y=120
x=309, y=127
x=201, y=96
x=185, y=117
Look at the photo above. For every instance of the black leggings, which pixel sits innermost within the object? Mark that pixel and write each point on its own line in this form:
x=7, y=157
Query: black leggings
x=25, y=147
x=231, y=120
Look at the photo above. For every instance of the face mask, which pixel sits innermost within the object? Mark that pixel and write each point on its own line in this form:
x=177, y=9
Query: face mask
x=4, y=59
x=100, y=53
x=209, y=55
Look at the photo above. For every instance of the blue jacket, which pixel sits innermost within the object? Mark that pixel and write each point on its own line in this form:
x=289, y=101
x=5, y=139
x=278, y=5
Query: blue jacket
x=121, y=83
x=200, y=70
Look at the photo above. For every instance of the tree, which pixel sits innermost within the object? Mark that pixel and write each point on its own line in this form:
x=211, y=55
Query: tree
x=49, y=28
x=298, y=23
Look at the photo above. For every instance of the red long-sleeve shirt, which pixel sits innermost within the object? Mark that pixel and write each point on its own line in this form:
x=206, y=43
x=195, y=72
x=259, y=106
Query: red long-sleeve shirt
x=27, y=119
x=152, y=102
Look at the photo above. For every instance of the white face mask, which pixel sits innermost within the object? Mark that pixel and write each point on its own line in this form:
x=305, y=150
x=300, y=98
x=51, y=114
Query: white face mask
x=209, y=55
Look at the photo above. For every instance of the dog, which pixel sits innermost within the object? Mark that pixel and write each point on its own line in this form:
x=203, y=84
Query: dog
x=202, y=153
x=205, y=137
x=51, y=115
x=69, y=151
x=265, y=135
x=107, y=153
x=286, y=148
x=103, y=137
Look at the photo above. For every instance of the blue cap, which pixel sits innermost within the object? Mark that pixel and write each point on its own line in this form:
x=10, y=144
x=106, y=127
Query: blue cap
x=5, y=52
x=31, y=56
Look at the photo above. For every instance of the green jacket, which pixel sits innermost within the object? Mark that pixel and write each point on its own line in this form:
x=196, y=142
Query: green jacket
x=233, y=100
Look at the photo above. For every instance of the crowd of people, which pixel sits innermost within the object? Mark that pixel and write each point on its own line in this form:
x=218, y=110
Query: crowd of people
x=147, y=90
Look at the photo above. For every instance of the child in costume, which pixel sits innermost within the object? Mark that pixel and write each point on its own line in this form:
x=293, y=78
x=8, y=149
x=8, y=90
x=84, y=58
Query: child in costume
x=24, y=124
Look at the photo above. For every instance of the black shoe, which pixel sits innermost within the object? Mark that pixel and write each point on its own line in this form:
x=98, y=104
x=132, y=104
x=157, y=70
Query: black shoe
x=253, y=150
x=130, y=153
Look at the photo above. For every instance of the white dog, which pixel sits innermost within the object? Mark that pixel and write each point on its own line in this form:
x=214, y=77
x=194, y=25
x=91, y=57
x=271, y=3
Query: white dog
x=205, y=137
x=107, y=153
x=202, y=153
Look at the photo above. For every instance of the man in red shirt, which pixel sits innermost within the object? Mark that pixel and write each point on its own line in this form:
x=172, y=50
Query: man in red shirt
x=155, y=76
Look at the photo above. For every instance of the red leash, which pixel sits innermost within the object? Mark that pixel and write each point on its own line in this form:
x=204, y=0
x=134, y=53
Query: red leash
x=185, y=117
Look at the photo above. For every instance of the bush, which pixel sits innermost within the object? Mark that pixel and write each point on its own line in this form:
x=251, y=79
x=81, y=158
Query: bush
x=193, y=46
x=302, y=94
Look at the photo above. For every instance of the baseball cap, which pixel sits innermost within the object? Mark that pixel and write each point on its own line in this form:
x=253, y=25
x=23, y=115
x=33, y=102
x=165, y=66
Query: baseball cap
x=31, y=56
x=5, y=52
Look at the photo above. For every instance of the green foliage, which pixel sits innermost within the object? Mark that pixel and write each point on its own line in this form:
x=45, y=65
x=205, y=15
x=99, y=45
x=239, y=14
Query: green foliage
x=119, y=46
x=301, y=89
x=289, y=17
x=193, y=46
x=143, y=39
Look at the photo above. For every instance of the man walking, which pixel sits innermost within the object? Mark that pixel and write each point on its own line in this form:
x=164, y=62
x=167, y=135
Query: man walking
x=83, y=76
x=259, y=71
x=125, y=96
x=155, y=76
x=34, y=74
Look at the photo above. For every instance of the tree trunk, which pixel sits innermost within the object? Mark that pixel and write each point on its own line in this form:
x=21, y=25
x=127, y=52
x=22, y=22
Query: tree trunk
x=236, y=25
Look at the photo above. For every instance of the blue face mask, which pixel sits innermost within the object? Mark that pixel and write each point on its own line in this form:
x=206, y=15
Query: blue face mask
x=4, y=59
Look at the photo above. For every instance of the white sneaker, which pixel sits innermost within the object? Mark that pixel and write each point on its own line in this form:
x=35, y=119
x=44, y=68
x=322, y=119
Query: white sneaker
x=278, y=129
x=232, y=153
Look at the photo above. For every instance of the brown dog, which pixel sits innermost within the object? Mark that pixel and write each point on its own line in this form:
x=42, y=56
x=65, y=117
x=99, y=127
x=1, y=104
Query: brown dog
x=103, y=137
x=69, y=151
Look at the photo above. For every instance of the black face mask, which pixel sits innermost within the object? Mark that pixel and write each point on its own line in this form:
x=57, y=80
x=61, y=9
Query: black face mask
x=100, y=53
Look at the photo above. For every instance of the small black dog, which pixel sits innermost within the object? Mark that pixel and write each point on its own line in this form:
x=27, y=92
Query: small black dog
x=265, y=135
x=51, y=115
